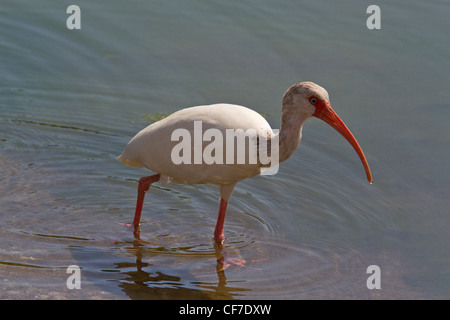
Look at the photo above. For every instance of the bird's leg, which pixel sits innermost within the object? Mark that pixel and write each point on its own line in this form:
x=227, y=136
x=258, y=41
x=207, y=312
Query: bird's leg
x=144, y=185
x=218, y=232
x=223, y=261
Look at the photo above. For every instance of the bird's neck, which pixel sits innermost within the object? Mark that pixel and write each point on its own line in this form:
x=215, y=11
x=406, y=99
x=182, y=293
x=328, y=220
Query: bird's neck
x=290, y=134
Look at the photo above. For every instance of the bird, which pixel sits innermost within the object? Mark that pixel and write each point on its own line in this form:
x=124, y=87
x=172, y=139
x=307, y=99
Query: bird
x=180, y=148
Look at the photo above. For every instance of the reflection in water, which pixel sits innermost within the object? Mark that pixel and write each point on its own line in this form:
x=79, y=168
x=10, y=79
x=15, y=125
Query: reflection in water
x=143, y=281
x=307, y=271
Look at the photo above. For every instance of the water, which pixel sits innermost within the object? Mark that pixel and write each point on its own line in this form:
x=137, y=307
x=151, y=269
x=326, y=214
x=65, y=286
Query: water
x=70, y=100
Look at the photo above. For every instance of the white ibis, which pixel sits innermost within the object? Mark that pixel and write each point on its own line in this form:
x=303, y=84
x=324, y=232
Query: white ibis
x=153, y=147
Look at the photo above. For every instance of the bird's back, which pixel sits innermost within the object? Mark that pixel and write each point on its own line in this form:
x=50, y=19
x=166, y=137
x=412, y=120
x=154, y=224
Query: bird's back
x=152, y=147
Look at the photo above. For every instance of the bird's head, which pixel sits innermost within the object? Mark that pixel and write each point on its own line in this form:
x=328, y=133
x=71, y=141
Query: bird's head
x=310, y=99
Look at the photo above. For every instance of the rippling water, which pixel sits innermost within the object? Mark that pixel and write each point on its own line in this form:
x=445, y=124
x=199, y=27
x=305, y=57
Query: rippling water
x=70, y=100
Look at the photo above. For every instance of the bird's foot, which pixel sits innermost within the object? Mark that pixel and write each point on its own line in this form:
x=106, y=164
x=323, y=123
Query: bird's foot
x=224, y=261
x=128, y=225
x=134, y=228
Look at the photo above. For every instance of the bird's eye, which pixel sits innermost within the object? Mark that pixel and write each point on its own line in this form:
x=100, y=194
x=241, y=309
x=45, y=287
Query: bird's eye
x=313, y=100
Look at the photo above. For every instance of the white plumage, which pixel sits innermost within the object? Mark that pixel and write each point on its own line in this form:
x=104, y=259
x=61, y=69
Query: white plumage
x=151, y=147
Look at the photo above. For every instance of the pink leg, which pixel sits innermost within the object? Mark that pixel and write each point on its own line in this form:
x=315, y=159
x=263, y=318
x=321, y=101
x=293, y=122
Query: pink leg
x=218, y=232
x=144, y=185
x=223, y=261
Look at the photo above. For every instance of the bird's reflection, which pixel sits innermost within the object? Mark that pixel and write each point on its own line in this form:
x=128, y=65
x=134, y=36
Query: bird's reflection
x=220, y=269
x=144, y=282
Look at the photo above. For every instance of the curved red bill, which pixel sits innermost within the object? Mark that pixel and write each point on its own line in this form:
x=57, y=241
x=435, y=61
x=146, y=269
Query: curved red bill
x=327, y=114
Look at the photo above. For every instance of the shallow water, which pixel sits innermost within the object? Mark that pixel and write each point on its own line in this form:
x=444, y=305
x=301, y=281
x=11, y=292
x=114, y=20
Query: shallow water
x=70, y=100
